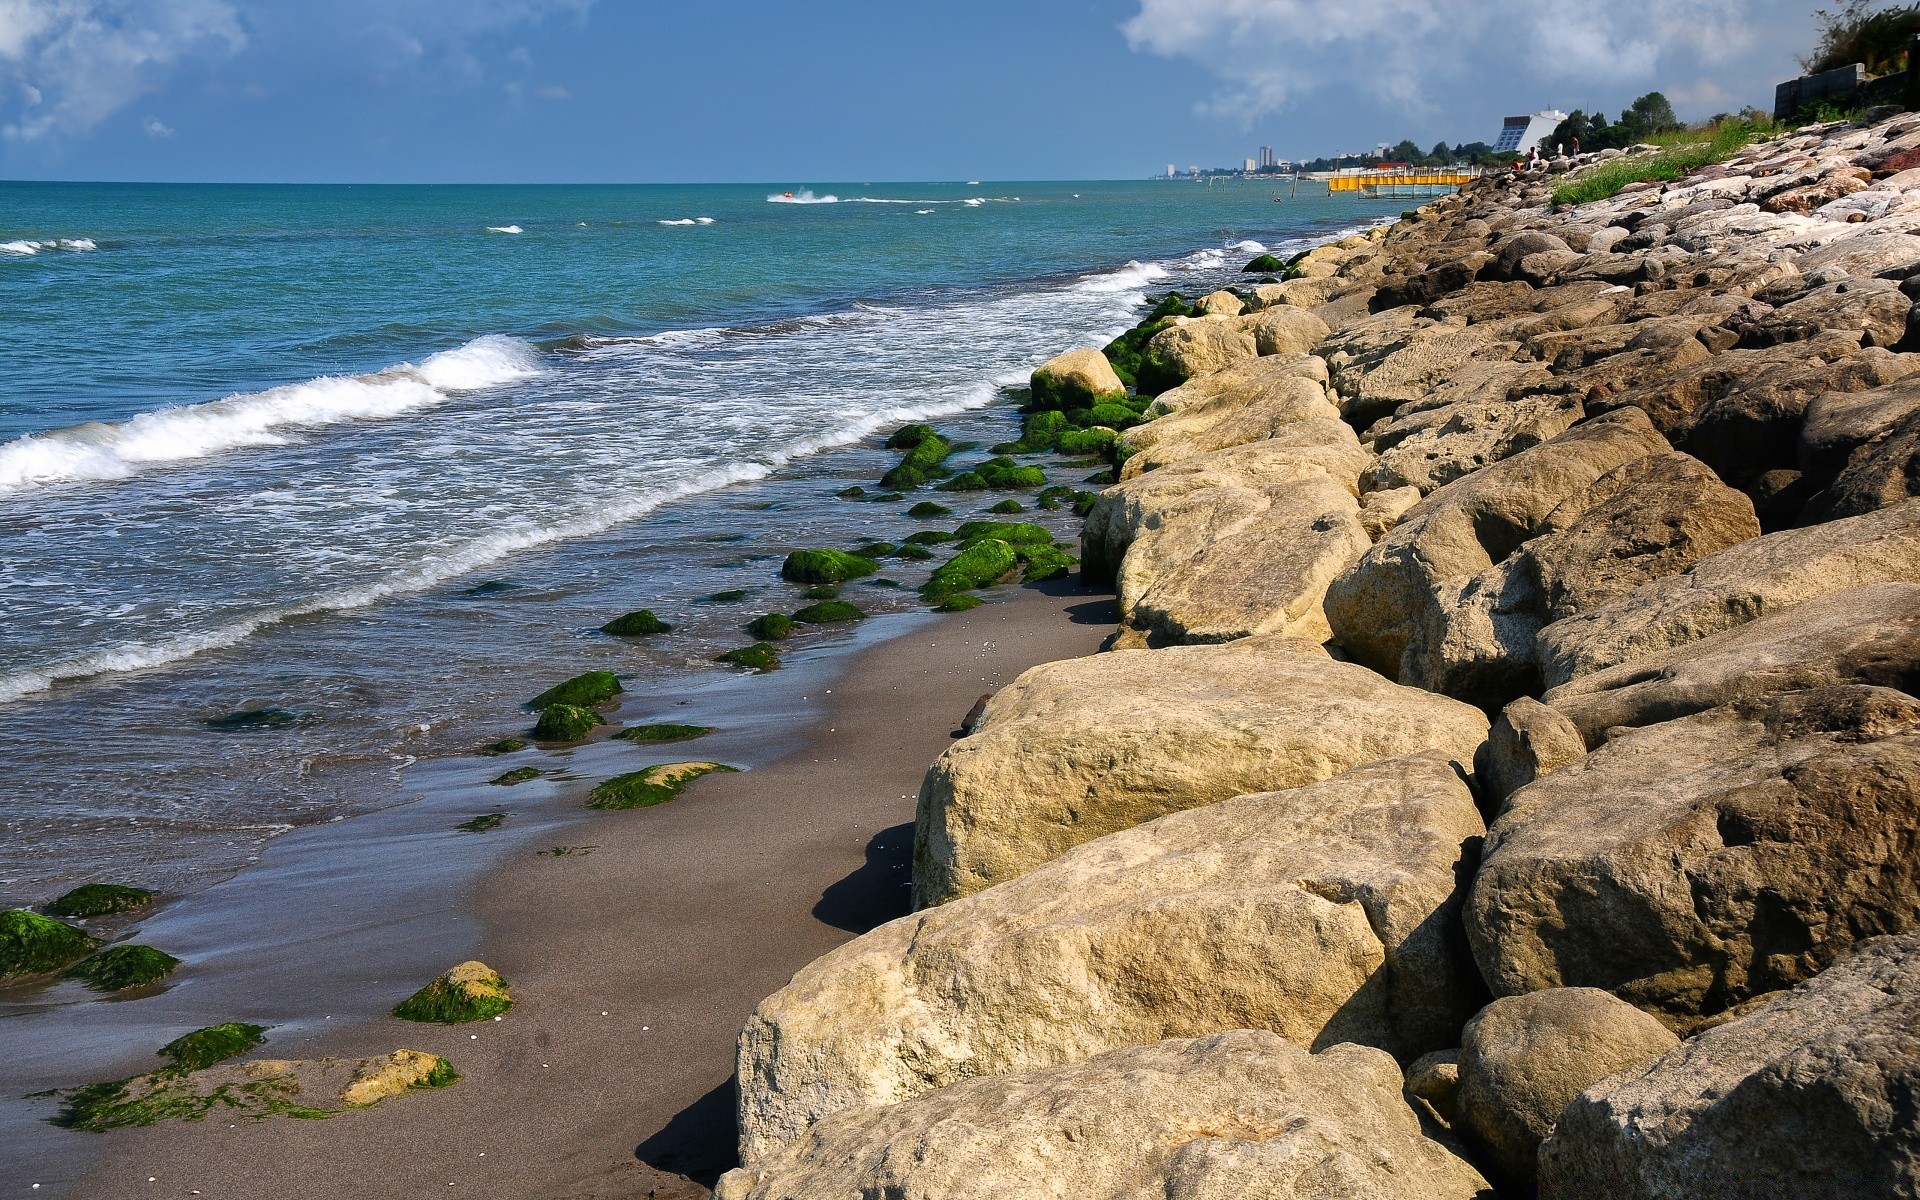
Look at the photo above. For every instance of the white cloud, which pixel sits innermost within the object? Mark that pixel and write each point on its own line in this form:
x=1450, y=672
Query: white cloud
x=1414, y=53
x=74, y=63
x=155, y=127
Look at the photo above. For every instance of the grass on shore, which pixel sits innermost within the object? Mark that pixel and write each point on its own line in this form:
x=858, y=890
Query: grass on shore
x=1680, y=154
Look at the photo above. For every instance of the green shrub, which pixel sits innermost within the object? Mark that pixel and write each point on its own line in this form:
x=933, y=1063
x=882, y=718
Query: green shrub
x=662, y=733
x=759, y=657
x=825, y=566
x=1852, y=34
x=927, y=510
x=203, y=1048
x=583, y=691
x=565, y=723
x=773, y=627
x=31, y=944
x=99, y=900
x=981, y=563
x=118, y=968
x=1684, y=154
x=638, y=623
x=828, y=612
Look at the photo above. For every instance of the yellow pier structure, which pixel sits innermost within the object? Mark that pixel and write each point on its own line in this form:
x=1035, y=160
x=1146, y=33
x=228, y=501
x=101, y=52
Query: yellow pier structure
x=1401, y=181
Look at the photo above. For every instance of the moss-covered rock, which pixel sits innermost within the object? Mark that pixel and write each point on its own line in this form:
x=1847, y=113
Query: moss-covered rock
x=1038, y=563
x=639, y=623
x=118, y=968
x=1041, y=430
x=855, y=492
x=585, y=691
x=654, y=785
x=829, y=612
x=1008, y=507
x=983, y=562
x=908, y=436
x=254, y=1090
x=822, y=591
x=922, y=463
x=731, y=597
x=1265, y=264
x=913, y=552
x=759, y=657
x=99, y=900
x=927, y=510
x=1113, y=416
x=825, y=566
x=1003, y=474
x=1087, y=441
x=929, y=537
x=31, y=944
x=566, y=723
x=506, y=745
x=520, y=774
x=771, y=627
x=472, y=991
x=661, y=734
x=960, y=602
x=254, y=718
x=1083, y=502
x=1056, y=497
x=875, y=550
x=1011, y=532
x=484, y=823
x=202, y=1048
x=966, y=481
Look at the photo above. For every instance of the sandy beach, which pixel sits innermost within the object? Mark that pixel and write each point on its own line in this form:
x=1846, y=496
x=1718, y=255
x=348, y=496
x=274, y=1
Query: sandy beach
x=635, y=966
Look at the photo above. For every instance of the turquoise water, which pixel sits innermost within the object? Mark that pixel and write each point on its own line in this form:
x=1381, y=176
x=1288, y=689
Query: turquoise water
x=258, y=445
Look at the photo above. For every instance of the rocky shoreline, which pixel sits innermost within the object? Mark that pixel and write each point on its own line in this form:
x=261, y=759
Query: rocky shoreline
x=1504, y=780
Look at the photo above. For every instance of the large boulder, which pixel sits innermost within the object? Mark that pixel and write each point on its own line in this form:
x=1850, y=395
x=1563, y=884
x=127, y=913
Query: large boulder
x=1362, y=345
x=1222, y=303
x=1690, y=866
x=1078, y=749
x=1653, y=517
x=1525, y=1058
x=1880, y=474
x=1262, y=565
x=1195, y=347
x=1239, y=1114
x=1229, y=419
x=1325, y=914
x=1839, y=423
x=1076, y=379
x=1865, y=635
x=1462, y=529
x=1284, y=330
x=1178, y=506
x=1730, y=588
x=1436, y=446
x=1409, y=374
x=1810, y=1096
x=1248, y=381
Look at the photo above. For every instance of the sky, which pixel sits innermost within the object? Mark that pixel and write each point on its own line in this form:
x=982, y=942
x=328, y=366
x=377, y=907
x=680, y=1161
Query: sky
x=639, y=91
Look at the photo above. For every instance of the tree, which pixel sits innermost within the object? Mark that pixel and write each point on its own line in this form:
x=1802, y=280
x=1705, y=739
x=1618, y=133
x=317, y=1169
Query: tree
x=1440, y=154
x=1854, y=33
x=1575, y=128
x=1651, y=114
x=1406, y=152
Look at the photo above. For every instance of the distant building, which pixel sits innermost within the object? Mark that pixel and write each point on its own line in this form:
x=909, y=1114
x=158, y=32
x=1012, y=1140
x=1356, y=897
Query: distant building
x=1267, y=160
x=1252, y=166
x=1521, y=134
x=1170, y=171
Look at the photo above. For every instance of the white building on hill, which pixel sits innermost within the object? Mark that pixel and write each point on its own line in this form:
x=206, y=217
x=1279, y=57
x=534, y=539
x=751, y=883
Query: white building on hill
x=1521, y=134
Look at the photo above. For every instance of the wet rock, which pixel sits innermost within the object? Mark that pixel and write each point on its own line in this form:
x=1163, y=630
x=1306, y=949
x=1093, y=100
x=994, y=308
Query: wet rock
x=266, y=1087
x=31, y=944
x=1077, y=749
x=1239, y=1114
x=1692, y=865
x=472, y=991
x=99, y=900
x=584, y=691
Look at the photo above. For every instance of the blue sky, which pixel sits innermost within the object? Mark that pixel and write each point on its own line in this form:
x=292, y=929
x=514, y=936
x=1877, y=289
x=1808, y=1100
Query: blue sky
x=825, y=90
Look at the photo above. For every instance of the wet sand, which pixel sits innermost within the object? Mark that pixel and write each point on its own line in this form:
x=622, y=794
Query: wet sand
x=634, y=966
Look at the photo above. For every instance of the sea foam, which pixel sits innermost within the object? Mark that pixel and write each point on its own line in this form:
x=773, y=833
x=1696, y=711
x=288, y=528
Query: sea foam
x=801, y=197
x=25, y=247
x=505, y=229
x=103, y=451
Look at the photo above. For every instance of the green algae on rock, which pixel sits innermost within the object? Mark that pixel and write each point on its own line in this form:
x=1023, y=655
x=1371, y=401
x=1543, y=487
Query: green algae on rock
x=638, y=623
x=472, y=991
x=922, y=463
x=1040, y=563
x=761, y=657
x=566, y=723
x=484, y=823
x=927, y=510
x=202, y=1048
x=772, y=627
x=1265, y=264
x=651, y=786
x=966, y=481
x=912, y=552
x=828, y=612
x=506, y=745
x=983, y=562
x=1004, y=474
x=99, y=900
x=1008, y=507
x=118, y=968
x=1055, y=497
x=874, y=550
x=662, y=733
x=960, y=602
x=726, y=597
x=31, y=944
x=908, y=436
x=519, y=774
x=1011, y=532
x=586, y=691
x=823, y=591
x=929, y=537
x=825, y=566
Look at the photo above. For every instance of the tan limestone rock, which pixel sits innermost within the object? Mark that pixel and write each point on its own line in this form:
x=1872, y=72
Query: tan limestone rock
x=1233, y=418
x=1381, y=511
x=1195, y=347
x=1238, y=1114
x=1074, y=750
x=1220, y=304
x=1529, y=740
x=1284, y=330
x=1437, y=446
x=1325, y=914
x=1078, y=378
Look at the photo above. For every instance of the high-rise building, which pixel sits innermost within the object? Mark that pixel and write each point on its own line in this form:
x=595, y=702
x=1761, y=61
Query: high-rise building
x=1170, y=171
x=1252, y=166
x=1267, y=160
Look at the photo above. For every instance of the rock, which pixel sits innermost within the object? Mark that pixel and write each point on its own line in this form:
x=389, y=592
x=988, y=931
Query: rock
x=262, y=1088
x=1359, y=347
x=1381, y=511
x=1438, y=446
x=825, y=566
x=651, y=785
x=566, y=723
x=1756, y=424
x=1239, y=1114
x=1284, y=330
x=1529, y=740
x=1510, y=253
x=590, y=690
x=1839, y=423
x=1805, y=1097
x=1675, y=392
x=1462, y=529
x=1249, y=382
x=472, y=991
x=1182, y=502
x=1196, y=347
x=1408, y=375
x=1867, y=635
x=1881, y=474
x=31, y=944
x=1690, y=866
x=1731, y=588
x=1228, y=420
x=1325, y=914
x=99, y=900
x=118, y=968
x=1076, y=379
x=1220, y=304
x=1077, y=749
x=1873, y=308
x=1435, y=1079
x=1525, y=1058
x=216, y=1043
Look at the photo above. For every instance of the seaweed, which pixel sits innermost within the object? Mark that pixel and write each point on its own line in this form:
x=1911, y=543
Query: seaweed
x=506, y=745
x=520, y=774
x=484, y=823
x=981, y=563
x=927, y=510
x=726, y=597
x=202, y=1048
x=585, y=691
x=253, y=718
x=1011, y=532
x=760, y=657
x=566, y=723
x=118, y=968
x=772, y=627
x=828, y=612
x=1008, y=507
x=99, y=900
x=651, y=786
x=959, y=602
x=1265, y=264
x=663, y=733
x=472, y=991
x=639, y=623
x=31, y=944
x=825, y=566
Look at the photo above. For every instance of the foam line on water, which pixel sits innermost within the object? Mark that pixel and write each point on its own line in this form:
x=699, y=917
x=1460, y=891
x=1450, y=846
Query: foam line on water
x=97, y=452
